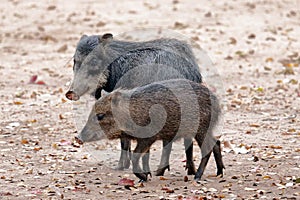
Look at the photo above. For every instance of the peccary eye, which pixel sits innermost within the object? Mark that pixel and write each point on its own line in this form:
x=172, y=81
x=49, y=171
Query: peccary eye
x=100, y=116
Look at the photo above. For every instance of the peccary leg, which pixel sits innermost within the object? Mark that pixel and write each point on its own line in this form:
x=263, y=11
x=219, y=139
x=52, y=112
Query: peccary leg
x=190, y=166
x=218, y=158
x=202, y=166
x=143, y=146
x=165, y=157
x=124, y=161
x=205, y=152
x=145, y=162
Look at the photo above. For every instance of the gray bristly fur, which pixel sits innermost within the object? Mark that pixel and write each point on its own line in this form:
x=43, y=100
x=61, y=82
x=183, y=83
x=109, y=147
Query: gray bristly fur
x=93, y=62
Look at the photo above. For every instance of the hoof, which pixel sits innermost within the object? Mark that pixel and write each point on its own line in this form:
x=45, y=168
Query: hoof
x=126, y=164
x=197, y=181
x=142, y=176
x=190, y=166
x=141, y=181
x=220, y=173
x=198, y=176
x=161, y=171
x=191, y=170
x=149, y=173
x=122, y=165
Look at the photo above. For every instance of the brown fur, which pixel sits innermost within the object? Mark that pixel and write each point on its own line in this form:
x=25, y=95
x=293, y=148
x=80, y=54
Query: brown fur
x=185, y=110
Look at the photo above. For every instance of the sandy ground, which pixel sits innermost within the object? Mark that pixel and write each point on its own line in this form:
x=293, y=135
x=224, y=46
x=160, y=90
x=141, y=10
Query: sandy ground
x=254, y=47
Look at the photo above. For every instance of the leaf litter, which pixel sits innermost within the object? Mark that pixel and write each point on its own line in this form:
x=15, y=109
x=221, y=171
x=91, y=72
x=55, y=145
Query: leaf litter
x=261, y=130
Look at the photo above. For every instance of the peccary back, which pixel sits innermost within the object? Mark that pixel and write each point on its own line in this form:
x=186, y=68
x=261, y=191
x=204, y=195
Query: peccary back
x=144, y=66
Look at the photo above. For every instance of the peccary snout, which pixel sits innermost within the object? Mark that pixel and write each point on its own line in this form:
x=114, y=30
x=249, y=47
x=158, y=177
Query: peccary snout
x=79, y=141
x=72, y=96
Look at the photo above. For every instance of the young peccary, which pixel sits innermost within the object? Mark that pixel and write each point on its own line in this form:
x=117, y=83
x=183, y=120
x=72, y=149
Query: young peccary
x=100, y=62
x=165, y=110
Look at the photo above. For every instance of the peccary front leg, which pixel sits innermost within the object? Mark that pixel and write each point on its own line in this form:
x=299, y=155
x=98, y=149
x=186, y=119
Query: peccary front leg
x=165, y=157
x=145, y=162
x=124, y=161
x=143, y=146
x=218, y=158
x=190, y=166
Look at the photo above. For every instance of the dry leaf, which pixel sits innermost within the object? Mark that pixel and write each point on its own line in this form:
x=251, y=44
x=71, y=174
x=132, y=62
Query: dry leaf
x=274, y=147
x=65, y=142
x=251, y=36
x=267, y=177
x=32, y=121
x=232, y=41
x=52, y=7
x=179, y=25
x=100, y=24
x=254, y=125
x=267, y=68
x=185, y=179
x=33, y=79
x=168, y=190
x=61, y=116
x=40, y=83
x=62, y=48
x=37, y=148
x=269, y=59
x=126, y=182
x=24, y=141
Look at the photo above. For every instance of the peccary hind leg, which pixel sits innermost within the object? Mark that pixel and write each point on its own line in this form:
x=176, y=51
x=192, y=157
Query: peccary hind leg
x=141, y=148
x=203, y=163
x=124, y=161
x=218, y=158
x=190, y=166
x=165, y=157
x=206, y=152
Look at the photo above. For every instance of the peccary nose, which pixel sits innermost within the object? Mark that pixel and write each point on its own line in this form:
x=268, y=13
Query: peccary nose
x=78, y=140
x=72, y=96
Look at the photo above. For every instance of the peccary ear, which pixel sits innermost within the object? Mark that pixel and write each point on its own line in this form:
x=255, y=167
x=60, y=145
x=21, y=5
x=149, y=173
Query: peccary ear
x=116, y=98
x=83, y=36
x=105, y=37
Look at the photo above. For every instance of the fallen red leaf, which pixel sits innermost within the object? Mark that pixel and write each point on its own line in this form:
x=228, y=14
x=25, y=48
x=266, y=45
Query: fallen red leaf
x=33, y=79
x=40, y=83
x=126, y=182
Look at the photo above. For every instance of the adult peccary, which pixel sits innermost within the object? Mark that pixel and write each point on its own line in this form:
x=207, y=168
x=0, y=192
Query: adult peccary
x=165, y=110
x=105, y=63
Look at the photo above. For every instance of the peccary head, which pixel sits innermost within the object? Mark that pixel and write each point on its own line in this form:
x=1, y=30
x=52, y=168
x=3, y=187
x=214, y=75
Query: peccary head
x=91, y=54
x=101, y=120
